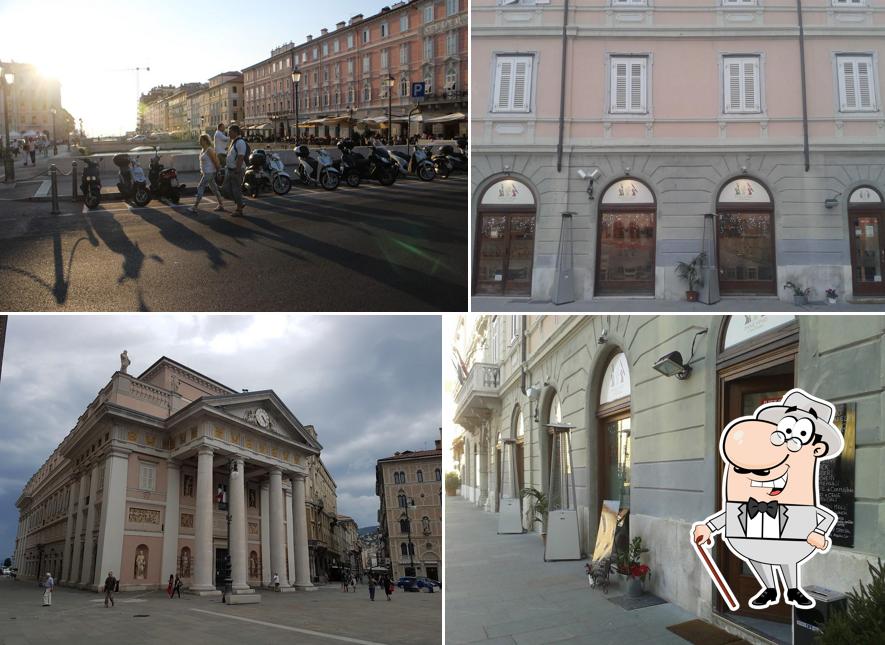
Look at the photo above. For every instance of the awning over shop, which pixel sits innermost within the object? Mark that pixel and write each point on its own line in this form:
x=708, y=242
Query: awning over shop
x=454, y=116
x=263, y=126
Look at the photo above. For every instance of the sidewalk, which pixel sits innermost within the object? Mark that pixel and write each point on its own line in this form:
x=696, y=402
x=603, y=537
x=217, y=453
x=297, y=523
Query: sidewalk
x=500, y=590
x=732, y=304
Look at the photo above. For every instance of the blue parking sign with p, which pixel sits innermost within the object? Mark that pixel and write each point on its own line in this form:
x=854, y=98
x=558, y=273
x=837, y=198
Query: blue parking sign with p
x=417, y=90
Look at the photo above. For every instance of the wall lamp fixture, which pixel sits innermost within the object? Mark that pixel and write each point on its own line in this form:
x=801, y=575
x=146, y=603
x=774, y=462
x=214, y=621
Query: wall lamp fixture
x=832, y=202
x=603, y=337
x=591, y=176
x=672, y=364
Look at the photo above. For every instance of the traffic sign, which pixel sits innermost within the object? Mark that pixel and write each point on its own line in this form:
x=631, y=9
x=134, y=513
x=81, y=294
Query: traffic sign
x=418, y=90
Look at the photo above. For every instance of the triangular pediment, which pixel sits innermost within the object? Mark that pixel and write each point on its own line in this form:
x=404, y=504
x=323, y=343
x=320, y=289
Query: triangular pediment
x=266, y=413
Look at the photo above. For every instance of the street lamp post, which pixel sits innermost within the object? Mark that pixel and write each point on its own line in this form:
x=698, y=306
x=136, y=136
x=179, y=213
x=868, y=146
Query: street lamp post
x=6, y=80
x=296, y=81
x=53, y=111
x=228, y=569
x=390, y=83
x=411, y=504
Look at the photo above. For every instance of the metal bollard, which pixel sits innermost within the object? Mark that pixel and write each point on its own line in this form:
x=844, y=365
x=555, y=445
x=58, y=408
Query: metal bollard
x=53, y=178
x=74, y=179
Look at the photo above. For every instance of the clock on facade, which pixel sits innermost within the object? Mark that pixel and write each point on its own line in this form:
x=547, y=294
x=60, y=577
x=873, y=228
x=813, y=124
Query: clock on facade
x=262, y=418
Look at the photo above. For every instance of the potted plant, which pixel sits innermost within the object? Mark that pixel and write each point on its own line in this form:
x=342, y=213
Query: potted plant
x=832, y=296
x=800, y=295
x=453, y=483
x=861, y=621
x=631, y=568
x=537, y=509
x=691, y=273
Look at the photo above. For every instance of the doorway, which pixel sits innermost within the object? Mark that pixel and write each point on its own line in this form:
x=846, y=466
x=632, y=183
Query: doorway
x=432, y=572
x=220, y=569
x=505, y=240
x=625, y=254
x=745, y=245
x=866, y=217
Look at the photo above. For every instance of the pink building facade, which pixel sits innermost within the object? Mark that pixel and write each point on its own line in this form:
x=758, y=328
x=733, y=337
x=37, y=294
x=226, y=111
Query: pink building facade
x=673, y=128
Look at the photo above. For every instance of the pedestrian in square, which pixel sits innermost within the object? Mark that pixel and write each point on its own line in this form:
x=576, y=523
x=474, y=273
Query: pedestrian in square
x=388, y=586
x=33, y=152
x=48, y=585
x=209, y=165
x=352, y=583
x=110, y=586
x=221, y=141
x=344, y=582
x=276, y=582
x=178, y=585
x=236, y=168
x=170, y=588
x=27, y=149
x=372, y=588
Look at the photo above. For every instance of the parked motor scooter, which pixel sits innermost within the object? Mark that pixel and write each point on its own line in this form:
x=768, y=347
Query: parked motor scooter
x=317, y=172
x=378, y=165
x=266, y=170
x=442, y=164
x=90, y=184
x=132, y=183
x=164, y=181
x=415, y=164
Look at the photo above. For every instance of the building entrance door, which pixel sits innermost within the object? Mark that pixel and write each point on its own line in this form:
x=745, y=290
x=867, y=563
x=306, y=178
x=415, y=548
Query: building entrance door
x=625, y=254
x=220, y=570
x=742, y=397
x=866, y=216
x=745, y=239
x=433, y=572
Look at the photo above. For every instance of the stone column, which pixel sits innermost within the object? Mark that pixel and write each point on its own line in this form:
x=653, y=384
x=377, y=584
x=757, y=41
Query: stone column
x=173, y=516
x=203, y=580
x=264, y=501
x=70, y=538
x=88, y=560
x=277, y=532
x=237, y=500
x=290, y=547
x=113, y=515
x=299, y=520
x=76, y=560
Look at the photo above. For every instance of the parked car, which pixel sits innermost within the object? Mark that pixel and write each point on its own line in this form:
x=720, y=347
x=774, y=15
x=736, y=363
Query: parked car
x=427, y=583
x=408, y=583
x=7, y=571
x=138, y=138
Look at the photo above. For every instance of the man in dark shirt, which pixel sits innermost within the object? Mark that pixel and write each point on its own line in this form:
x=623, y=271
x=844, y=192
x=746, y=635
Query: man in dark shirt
x=110, y=583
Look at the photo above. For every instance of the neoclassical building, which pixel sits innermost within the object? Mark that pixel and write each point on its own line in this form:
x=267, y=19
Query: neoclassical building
x=646, y=437
x=166, y=473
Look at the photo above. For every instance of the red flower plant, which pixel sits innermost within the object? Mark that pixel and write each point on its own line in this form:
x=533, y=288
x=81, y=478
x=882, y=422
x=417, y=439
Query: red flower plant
x=639, y=571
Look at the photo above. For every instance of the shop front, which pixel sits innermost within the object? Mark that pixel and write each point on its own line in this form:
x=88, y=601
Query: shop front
x=866, y=211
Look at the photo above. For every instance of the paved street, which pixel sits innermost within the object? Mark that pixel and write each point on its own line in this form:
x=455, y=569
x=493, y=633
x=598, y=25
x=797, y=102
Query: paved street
x=324, y=617
x=499, y=590
x=402, y=248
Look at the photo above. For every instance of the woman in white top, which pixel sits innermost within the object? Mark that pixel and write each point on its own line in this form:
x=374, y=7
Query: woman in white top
x=209, y=165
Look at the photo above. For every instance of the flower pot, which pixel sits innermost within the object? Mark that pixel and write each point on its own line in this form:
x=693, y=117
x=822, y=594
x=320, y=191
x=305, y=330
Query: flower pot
x=634, y=587
x=800, y=301
x=692, y=296
x=832, y=301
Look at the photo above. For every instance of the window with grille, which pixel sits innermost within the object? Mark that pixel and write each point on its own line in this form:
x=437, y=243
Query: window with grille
x=629, y=85
x=741, y=85
x=857, y=84
x=147, y=477
x=513, y=84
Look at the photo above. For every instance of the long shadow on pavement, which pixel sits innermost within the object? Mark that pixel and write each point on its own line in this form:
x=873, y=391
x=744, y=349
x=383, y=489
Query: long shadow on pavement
x=183, y=237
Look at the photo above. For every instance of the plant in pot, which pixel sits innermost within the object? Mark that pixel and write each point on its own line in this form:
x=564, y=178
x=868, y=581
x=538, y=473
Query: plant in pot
x=863, y=620
x=453, y=483
x=691, y=273
x=630, y=566
x=537, y=509
x=800, y=295
x=832, y=296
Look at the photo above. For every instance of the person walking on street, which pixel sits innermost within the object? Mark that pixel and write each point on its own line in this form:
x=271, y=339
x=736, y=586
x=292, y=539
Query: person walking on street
x=110, y=586
x=388, y=586
x=221, y=141
x=48, y=586
x=372, y=588
x=177, y=587
x=275, y=580
x=344, y=583
x=236, y=168
x=209, y=165
x=352, y=583
x=170, y=588
x=27, y=149
x=33, y=152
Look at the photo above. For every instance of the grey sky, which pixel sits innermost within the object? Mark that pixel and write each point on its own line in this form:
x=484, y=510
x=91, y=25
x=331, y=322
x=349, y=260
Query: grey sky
x=370, y=384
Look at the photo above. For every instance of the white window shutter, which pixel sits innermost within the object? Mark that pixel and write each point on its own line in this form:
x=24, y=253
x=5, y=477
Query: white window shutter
x=521, y=75
x=619, y=87
x=733, y=86
x=865, y=86
x=503, y=83
x=751, y=85
x=637, y=86
x=849, y=95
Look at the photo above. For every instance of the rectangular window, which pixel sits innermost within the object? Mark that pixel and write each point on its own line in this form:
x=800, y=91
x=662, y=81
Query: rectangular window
x=336, y=46
x=452, y=7
x=741, y=85
x=404, y=54
x=350, y=68
x=428, y=12
x=849, y=3
x=316, y=53
x=857, y=88
x=404, y=22
x=627, y=3
x=385, y=58
x=452, y=42
x=628, y=85
x=385, y=30
x=147, y=477
x=350, y=41
x=365, y=36
x=513, y=84
x=325, y=49
x=428, y=48
x=739, y=3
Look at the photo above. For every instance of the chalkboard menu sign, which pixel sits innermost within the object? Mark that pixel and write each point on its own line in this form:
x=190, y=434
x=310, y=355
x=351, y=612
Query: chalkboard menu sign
x=837, y=478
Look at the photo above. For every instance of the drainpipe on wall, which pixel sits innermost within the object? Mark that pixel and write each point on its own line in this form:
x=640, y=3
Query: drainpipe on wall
x=521, y=358
x=562, y=89
x=804, y=94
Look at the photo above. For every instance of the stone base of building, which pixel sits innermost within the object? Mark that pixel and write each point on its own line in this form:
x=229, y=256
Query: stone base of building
x=281, y=589
x=305, y=588
x=203, y=592
x=244, y=598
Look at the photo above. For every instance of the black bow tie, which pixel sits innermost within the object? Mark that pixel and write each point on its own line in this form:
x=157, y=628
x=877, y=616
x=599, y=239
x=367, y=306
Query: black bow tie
x=754, y=508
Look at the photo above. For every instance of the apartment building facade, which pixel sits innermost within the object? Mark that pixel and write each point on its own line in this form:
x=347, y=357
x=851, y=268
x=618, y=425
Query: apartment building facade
x=672, y=127
x=32, y=97
x=345, y=71
x=322, y=513
x=650, y=442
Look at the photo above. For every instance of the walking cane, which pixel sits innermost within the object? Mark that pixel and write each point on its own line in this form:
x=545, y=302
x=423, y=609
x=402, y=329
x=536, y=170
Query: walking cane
x=724, y=590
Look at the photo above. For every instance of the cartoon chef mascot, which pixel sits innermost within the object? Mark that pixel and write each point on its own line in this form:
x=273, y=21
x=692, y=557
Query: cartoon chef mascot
x=771, y=515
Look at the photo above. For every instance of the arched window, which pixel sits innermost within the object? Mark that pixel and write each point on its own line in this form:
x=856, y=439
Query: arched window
x=625, y=259
x=745, y=239
x=506, y=239
x=404, y=526
x=404, y=548
x=420, y=476
x=396, y=479
x=615, y=436
x=866, y=217
x=402, y=477
x=403, y=502
x=437, y=474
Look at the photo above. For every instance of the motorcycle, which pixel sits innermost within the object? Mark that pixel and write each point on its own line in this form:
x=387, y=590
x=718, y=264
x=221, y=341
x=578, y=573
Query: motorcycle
x=442, y=164
x=416, y=164
x=90, y=184
x=317, y=172
x=377, y=166
x=266, y=170
x=164, y=181
x=457, y=157
x=132, y=183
